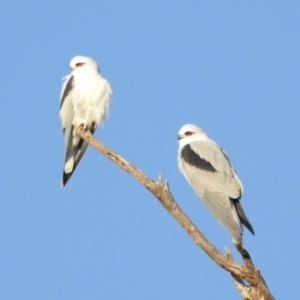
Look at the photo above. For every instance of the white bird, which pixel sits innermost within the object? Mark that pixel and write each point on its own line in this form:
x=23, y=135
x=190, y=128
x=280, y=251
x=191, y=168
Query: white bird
x=84, y=100
x=209, y=171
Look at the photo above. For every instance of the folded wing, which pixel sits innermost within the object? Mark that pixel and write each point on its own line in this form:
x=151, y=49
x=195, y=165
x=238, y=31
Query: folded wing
x=74, y=145
x=209, y=171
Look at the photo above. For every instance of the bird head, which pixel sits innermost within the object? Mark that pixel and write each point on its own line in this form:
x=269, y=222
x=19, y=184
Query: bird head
x=189, y=133
x=83, y=62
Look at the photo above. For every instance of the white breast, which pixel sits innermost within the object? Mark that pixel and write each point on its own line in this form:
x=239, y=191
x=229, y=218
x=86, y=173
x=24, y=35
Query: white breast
x=90, y=95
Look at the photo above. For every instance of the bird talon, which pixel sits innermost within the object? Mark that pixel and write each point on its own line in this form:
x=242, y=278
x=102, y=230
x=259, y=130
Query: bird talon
x=83, y=127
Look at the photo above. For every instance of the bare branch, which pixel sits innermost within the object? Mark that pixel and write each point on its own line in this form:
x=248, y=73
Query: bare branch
x=161, y=191
x=247, y=292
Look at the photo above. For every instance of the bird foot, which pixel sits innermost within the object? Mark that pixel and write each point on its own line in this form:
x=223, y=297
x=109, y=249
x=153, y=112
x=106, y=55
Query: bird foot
x=83, y=127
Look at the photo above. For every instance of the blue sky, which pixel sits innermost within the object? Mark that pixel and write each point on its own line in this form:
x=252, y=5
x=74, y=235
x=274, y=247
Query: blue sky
x=231, y=67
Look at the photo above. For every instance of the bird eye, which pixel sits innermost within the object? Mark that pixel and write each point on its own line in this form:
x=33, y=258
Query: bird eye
x=79, y=64
x=188, y=133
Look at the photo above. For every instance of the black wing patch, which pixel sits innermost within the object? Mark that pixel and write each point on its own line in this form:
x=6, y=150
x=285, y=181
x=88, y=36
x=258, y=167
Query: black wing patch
x=193, y=159
x=67, y=90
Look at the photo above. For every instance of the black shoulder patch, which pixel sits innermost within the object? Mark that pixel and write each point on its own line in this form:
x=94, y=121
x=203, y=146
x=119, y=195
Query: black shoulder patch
x=193, y=159
x=67, y=90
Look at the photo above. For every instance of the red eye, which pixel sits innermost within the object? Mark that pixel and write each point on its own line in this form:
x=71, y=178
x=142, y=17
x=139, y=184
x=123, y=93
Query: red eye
x=79, y=64
x=188, y=133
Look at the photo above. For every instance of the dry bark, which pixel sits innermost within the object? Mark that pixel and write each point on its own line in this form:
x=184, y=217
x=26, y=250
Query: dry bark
x=256, y=287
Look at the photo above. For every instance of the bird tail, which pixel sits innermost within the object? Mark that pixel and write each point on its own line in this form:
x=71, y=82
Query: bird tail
x=74, y=158
x=242, y=216
x=77, y=155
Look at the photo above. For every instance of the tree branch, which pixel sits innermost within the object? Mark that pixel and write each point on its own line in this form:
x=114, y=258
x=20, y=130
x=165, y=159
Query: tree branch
x=161, y=191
